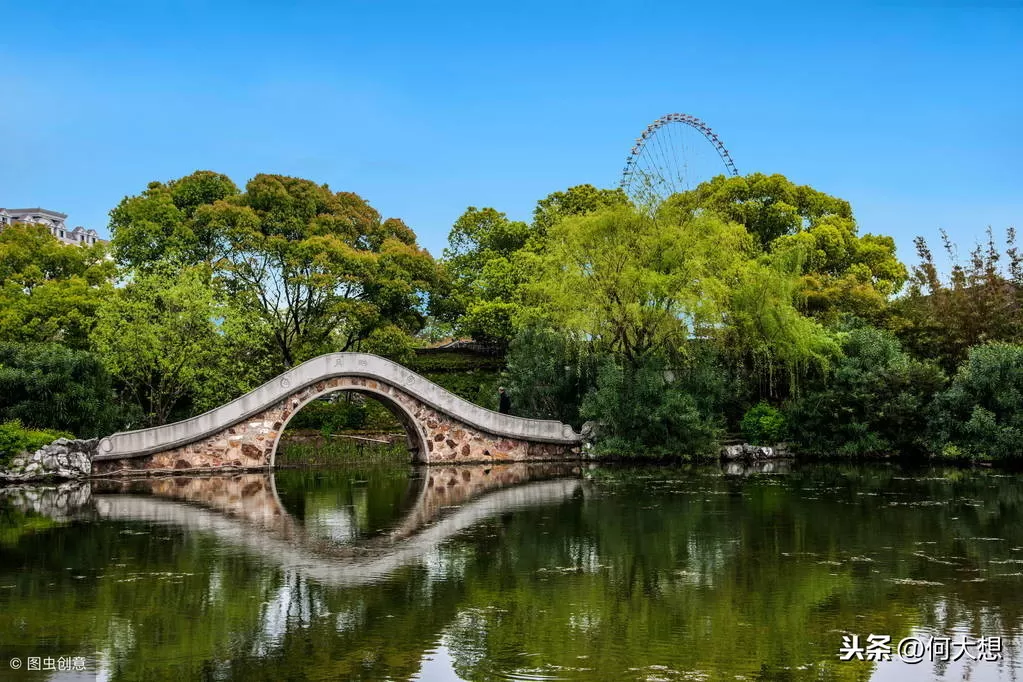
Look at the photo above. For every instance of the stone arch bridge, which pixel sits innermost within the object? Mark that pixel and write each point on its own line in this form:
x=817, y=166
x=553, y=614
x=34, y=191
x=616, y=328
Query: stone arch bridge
x=243, y=434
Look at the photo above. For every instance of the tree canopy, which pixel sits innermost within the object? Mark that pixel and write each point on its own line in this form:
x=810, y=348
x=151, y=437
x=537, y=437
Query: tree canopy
x=575, y=201
x=49, y=291
x=320, y=270
x=158, y=336
x=665, y=322
x=842, y=271
x=978, y=302
x=490, y=258
x=485, y=266
x=638, y=283
x=48, y=385
x=160, y=225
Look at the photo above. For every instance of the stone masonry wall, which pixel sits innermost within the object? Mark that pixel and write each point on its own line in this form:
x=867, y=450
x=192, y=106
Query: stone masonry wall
x=434, y=437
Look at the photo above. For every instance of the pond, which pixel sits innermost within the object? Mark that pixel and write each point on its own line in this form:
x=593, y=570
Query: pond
x=517, y=572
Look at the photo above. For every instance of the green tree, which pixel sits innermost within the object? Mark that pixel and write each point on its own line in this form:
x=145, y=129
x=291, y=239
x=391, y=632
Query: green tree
x=575, y=201
x=769, y=341
x=548, y=374
x=49, y=291
x=317, y=270
x=490, y=258
x=480, y=235
x=158, y=336
x=244, y=359
x=769, y=206
x=321, y=269
x=486, y=266
x=842, y=271
x=161, y=225
x=648, y=407
x=979, y=302
x=637, y=283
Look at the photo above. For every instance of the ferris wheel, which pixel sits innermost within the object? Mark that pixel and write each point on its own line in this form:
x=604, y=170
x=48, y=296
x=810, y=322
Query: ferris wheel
x=673, y=155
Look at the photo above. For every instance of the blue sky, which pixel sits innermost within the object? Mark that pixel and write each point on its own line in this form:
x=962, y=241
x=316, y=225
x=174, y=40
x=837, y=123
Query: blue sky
x=910, y=110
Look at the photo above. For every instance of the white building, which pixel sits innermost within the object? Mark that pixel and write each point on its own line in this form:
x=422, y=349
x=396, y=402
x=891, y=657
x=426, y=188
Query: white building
x=52, y=220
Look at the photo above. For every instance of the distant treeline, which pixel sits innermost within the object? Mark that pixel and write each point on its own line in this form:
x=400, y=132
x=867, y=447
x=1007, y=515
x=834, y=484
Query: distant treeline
x=749, y=305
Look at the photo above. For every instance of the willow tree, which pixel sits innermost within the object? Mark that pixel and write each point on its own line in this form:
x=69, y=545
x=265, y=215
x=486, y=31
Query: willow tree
x=635, y=283
x=641, y=284
x=491, y=258
x=768, y=339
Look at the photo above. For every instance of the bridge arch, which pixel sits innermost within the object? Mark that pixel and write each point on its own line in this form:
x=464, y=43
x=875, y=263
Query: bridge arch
x=244, y=433
x=414, y=432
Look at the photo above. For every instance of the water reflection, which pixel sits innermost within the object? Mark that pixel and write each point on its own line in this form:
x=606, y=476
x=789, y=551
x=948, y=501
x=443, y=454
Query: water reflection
x=513, y=571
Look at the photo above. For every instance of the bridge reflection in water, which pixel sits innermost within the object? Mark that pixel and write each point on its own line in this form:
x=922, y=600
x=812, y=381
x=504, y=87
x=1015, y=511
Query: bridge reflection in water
x=246, y=512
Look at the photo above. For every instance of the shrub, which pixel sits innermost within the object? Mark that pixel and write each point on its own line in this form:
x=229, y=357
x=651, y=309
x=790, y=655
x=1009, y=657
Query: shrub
x=330, y=416
x=48, y=386
x=981, y=414
x=647, y=409
x=875, y=400
x=764, y=425
x=434, y=362
x=475, y=385
x=14, y=439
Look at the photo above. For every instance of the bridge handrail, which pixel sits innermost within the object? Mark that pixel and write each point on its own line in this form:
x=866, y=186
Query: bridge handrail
x=143, y=442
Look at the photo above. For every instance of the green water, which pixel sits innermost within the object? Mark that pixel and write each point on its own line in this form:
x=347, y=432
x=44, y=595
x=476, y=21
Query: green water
x=598, y=573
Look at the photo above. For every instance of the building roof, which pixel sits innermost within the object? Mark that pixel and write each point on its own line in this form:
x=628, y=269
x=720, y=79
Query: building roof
x=45, y=211
x=462, y=345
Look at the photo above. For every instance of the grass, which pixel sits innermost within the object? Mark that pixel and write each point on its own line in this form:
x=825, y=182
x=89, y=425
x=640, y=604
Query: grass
x=333, y=451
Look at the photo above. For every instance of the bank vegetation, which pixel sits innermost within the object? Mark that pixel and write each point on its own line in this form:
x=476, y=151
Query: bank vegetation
x=750, y=306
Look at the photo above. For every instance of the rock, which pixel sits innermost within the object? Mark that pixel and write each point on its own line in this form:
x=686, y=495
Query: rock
x=731, y=452
x=80, y=461
x=758, y=451
x=62, y=459
x=745, y=451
